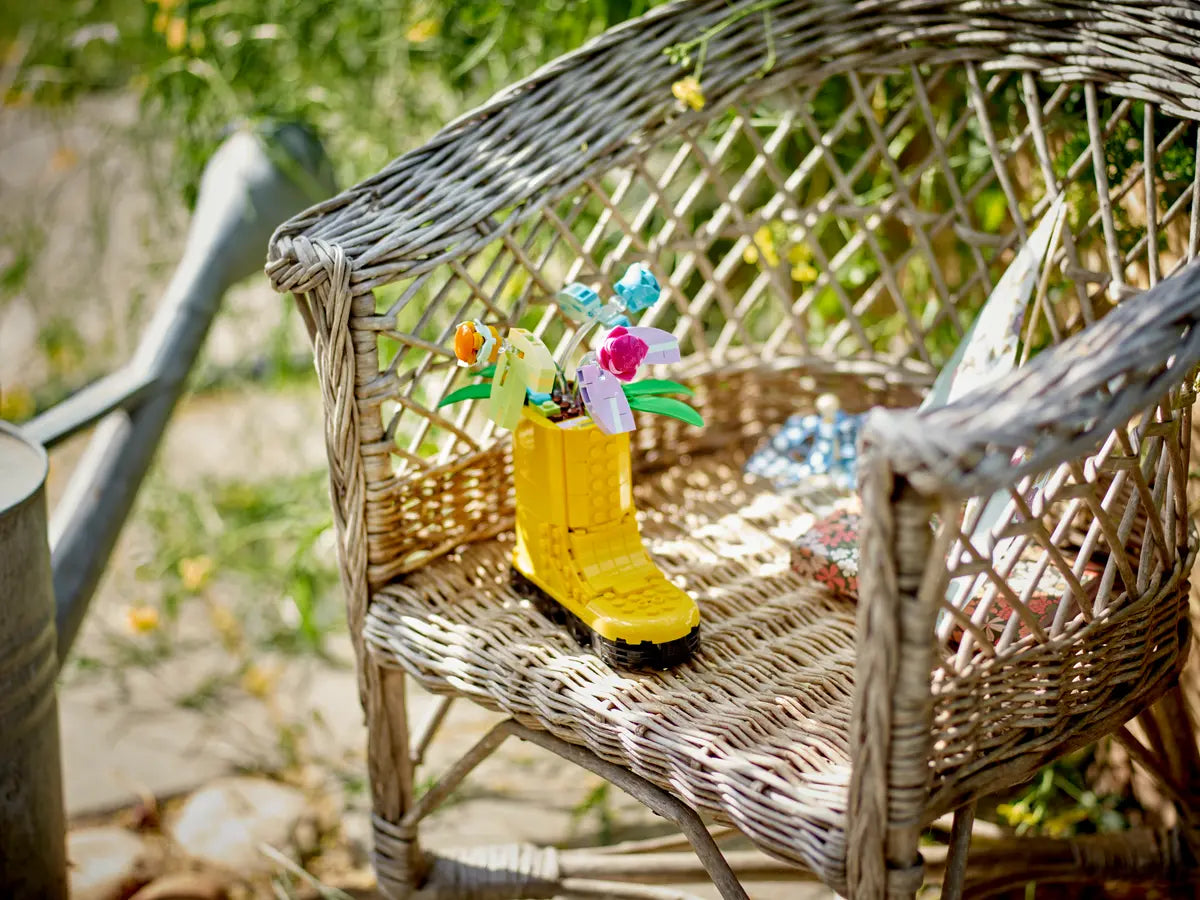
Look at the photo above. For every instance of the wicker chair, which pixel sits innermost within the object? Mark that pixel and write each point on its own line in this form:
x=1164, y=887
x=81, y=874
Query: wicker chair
x=828, y=221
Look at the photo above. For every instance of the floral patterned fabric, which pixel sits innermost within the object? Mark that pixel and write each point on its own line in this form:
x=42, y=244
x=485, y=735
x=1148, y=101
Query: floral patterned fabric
x=1043, y=602
x=828, y=552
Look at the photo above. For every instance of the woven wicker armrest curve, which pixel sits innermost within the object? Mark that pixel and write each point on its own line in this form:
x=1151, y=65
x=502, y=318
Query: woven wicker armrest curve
x=1057, y=407
x=498, y=164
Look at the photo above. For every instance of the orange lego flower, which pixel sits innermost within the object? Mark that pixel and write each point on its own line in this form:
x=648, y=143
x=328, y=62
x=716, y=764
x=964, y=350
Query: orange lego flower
x=473, y=340
x=467, y=342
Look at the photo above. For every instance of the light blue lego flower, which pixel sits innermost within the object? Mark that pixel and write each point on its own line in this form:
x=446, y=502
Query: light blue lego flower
x=638, y=288
x=579, y=302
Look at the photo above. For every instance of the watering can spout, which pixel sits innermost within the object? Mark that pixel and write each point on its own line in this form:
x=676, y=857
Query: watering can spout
x=257, y=177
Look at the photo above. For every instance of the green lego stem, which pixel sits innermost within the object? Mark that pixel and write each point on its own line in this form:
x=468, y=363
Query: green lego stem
x=650, y=386
x=576, y=340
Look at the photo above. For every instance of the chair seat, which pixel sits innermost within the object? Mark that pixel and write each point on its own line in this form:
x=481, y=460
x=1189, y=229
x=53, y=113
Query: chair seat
x=752, y=731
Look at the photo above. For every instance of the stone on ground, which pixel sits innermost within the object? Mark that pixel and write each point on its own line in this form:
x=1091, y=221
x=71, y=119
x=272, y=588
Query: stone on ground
x=225, y=823
x=108, y=863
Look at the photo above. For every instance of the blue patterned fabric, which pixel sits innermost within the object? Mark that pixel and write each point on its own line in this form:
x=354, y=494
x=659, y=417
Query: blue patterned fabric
x=807, y=445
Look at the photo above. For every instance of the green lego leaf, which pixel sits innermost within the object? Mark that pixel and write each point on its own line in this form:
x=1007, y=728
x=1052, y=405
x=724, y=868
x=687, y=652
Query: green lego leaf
x=470, y=392
x=486, y=371
x=667, y=406
x=651, y=386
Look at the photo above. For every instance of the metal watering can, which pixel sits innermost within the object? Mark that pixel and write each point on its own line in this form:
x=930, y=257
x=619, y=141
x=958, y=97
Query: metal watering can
x=49, y=572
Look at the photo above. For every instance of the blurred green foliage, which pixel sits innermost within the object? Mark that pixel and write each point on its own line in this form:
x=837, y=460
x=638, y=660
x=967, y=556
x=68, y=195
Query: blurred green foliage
x=1058, y=803
x=374, y=77
x=272, y=538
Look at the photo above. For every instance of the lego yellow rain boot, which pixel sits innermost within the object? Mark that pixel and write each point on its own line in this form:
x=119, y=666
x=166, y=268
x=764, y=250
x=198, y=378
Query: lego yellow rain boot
x=578, y=544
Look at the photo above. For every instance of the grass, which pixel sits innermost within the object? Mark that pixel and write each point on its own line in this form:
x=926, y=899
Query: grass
x=273, y=538
x=597, y=804
x=367, y=75
x=1058, y=803
x=244, y=564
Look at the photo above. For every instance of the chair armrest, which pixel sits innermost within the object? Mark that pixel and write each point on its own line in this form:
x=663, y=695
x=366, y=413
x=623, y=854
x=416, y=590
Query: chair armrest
x=570, y=120
x=1060, y=405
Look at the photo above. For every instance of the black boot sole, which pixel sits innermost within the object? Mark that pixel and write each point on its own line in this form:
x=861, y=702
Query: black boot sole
x=619, y=654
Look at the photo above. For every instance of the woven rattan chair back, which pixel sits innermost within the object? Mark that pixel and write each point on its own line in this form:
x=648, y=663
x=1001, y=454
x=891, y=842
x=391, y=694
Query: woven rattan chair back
x=829, y=219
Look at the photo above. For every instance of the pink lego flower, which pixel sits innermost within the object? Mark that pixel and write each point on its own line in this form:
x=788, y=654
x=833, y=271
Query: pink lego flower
x=621, y=353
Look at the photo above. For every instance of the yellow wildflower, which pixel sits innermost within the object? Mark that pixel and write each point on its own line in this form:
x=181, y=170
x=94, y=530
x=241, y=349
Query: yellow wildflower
x=803, y=271
x=260, y=680
x=16, y=404
x=422, y=31
x=687, y=90
x=176, y=35
x=226, y=624
x=764, y=245
x=64, y=158
x=1063, y=825
x=141, y=619
x=194, y=572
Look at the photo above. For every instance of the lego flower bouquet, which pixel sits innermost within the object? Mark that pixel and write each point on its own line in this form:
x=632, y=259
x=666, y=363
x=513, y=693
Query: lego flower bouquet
x=518, y=370
x=578, y=551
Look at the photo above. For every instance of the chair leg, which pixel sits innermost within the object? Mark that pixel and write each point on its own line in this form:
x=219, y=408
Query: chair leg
x=520, y=870
x=656, y=799
x=956, y=861
x=400, y=865
x=1176, y=746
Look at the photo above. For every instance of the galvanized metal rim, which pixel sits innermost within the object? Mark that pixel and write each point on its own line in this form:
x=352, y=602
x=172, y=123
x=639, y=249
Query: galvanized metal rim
x=14, y=490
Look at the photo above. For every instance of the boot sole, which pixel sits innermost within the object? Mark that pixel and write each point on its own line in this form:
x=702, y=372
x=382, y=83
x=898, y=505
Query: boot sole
x=619, y=654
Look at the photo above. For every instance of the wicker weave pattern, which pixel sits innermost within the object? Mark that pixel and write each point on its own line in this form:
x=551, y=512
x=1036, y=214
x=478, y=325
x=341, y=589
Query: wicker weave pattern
x=681, y=199
x=777, y=656
x=825, y=222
